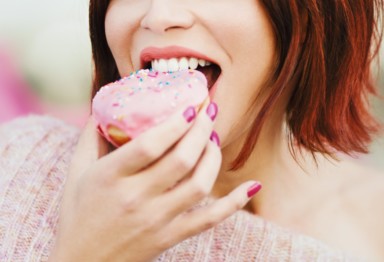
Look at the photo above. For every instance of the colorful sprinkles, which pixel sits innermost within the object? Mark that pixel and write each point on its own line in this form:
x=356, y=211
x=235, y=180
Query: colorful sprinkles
x=119, y=94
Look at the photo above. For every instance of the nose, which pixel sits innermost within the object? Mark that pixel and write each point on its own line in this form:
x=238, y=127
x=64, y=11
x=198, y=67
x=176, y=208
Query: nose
x=163, y=15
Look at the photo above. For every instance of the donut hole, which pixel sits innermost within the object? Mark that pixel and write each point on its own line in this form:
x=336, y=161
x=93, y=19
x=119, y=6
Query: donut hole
x=118, y=136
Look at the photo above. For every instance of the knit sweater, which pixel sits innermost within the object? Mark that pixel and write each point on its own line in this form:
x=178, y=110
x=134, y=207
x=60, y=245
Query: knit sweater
x=35, y=153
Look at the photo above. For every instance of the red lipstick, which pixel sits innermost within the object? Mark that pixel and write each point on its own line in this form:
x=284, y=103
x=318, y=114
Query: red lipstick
x=154, y=53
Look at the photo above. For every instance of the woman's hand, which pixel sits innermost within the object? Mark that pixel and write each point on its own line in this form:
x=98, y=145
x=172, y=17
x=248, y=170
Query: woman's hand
x=130, y=204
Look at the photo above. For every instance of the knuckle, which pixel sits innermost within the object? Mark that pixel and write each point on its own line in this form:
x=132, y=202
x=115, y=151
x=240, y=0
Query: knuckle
x=146, y=150
x=150, y=223
x=129, y=204
x=157, y=221
x=183, y=162
x=199, y=189
x=235, y=205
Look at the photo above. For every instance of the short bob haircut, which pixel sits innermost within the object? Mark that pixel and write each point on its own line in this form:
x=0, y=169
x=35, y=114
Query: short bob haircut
x=324, y=49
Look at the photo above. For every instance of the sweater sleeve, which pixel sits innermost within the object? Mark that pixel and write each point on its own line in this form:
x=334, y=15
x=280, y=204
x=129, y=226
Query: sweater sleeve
x=35, y=152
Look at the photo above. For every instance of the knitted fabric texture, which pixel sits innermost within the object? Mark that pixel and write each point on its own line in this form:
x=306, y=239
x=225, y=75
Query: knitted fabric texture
x=35, y=154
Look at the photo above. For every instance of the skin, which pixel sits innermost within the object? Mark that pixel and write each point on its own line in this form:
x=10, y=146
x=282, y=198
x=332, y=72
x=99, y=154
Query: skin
x=339, y=197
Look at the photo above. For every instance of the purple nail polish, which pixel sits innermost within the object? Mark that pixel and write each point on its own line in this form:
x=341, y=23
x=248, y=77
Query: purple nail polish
x=212, y=110
x=215, y=138
x=254, y=189
x=189, y=114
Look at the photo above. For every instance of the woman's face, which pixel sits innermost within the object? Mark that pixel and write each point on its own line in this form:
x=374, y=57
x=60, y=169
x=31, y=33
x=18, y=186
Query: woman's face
x=236, y=37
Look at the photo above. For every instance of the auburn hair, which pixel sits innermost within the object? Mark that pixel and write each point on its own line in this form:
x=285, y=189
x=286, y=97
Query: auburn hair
x=324, y=54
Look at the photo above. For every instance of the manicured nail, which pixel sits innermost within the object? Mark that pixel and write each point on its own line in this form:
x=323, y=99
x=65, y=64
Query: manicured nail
x=215, y=138
x=212, y=110
x=190, y=114
x=254, y=189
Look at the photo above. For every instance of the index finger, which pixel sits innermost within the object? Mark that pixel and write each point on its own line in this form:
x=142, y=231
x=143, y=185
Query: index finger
x=90, y=147
x=150, y=146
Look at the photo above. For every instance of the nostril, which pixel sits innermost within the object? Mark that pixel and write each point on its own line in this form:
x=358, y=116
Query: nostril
x=161, y=18
x=173, y=27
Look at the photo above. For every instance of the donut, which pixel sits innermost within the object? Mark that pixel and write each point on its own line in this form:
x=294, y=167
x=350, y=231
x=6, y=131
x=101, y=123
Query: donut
x=126, y=108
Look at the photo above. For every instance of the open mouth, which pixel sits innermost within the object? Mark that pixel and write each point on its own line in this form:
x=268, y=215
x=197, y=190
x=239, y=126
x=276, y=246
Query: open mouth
x=211, y=70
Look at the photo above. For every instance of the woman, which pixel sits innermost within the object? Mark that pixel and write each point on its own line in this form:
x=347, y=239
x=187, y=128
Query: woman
x=289, y=81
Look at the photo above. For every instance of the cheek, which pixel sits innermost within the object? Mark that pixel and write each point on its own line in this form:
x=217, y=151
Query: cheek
x=253, y=61
x=119, y=28
x=255, y=52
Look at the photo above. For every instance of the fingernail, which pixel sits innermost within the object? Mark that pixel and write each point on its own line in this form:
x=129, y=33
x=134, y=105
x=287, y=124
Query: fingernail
x=189, y=114
x=215, y=138
x=254, y=189
x=212, y=110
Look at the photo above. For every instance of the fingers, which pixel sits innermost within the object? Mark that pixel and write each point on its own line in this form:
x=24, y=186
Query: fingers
x=91, y=146
x=207, y=217
x=196, y=187
x=152, y=144
x=185, y=156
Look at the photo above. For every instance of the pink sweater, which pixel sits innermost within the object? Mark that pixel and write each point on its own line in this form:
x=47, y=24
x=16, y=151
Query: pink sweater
x=34, y=156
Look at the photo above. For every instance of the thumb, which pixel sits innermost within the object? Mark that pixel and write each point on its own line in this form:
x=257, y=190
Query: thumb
x=91, y=147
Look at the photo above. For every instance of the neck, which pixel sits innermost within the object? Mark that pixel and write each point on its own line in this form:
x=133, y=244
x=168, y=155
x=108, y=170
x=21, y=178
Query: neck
x=271, y=163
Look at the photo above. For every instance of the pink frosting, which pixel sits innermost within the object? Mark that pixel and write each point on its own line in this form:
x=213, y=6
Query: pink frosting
x=146, y=98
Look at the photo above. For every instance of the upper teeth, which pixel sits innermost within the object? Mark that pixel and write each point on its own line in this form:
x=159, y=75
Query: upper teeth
x=176, y=64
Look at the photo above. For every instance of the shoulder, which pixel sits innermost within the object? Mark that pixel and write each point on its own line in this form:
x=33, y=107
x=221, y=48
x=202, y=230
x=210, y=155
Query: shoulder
x=33, y=124
x=27, y=138
x=32, y=128
x=364, y=199
x=366, y=184
x=368, y=193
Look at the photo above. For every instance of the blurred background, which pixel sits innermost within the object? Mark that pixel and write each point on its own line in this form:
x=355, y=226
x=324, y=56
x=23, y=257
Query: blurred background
x=46, y=68
x=45, y=59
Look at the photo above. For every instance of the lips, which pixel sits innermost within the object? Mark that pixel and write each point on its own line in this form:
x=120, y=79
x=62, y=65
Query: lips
x=175, y=58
